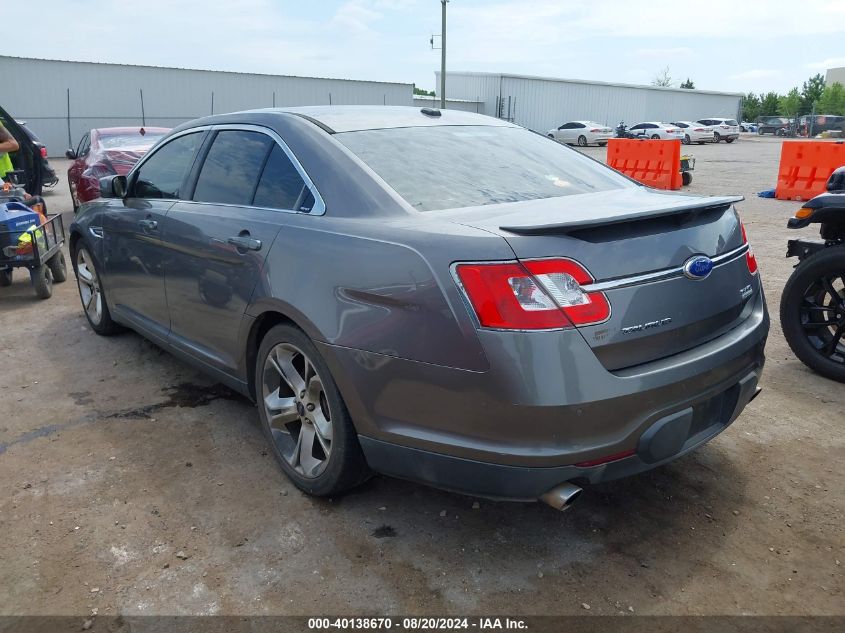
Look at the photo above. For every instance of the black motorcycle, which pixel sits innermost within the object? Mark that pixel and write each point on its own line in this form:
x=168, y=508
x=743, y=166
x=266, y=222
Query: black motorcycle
x=812, y=308
x=623, y=132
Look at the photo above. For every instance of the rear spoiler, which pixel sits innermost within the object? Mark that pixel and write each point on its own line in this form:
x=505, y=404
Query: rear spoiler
x=696, y=205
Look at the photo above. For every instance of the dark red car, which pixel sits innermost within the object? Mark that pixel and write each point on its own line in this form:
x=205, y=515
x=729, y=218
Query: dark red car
x=106, y=152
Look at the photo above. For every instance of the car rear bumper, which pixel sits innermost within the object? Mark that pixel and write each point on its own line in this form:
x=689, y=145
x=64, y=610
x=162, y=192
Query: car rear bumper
x=545, y=406
x=666, y=439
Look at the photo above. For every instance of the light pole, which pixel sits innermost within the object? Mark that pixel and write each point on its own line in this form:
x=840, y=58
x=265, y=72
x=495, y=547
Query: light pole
x=443, y=56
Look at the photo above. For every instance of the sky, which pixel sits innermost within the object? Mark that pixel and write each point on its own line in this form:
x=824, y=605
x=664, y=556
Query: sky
x=729, y=45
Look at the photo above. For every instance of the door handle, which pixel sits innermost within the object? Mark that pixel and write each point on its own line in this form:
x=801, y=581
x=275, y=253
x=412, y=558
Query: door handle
x=148, y=225
x=244, y=243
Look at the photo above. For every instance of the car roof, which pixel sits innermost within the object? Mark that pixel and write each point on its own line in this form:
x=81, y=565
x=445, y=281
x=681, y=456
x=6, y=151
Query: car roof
x=356, y=118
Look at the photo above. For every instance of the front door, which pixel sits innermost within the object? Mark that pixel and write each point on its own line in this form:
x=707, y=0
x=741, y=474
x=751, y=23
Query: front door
x=219, y=240
x=134, y=256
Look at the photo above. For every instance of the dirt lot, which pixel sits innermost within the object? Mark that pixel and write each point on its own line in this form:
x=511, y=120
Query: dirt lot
x=130, y=486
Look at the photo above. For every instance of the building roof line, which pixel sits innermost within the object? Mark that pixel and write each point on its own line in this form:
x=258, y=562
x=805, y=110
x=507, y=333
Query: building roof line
x=202, y=70
x=589, y=82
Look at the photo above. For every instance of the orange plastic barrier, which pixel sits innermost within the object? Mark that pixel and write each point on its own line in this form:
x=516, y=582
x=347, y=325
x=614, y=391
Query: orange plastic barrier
x=805, y=167
x=652, y=162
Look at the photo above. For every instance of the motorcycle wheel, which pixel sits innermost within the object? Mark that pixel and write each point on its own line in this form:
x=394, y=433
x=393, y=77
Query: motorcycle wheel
x=812, y=312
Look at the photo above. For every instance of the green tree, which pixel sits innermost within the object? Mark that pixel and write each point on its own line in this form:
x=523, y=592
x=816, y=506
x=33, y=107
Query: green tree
x=832, y=100
x=769, y=104
x=750, y=107
x=811, y=92
x=790, y=103
x=423, y=92
x=688, y=84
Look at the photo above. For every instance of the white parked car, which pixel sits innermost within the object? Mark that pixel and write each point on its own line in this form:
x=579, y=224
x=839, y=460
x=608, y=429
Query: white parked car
x=582, y=132
x=656, y=129
x=695, y=132
x=723, y=129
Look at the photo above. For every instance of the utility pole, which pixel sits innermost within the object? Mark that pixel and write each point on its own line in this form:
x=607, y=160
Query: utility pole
x=443, y=57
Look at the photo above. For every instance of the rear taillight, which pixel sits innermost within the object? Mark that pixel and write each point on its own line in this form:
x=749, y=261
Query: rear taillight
x=43, y=152
x=533, y=295
x=750, y=259
x=698, y=129
x=593, y=131
x=725, y=127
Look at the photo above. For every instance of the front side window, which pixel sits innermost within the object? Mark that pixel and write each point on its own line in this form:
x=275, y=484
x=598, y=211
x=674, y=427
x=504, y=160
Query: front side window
x=232, y=167
x=163, y=173
x=444, y=167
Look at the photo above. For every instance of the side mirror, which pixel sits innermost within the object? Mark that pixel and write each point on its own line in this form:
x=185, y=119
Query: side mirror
x=113, y=187
x=70, y=154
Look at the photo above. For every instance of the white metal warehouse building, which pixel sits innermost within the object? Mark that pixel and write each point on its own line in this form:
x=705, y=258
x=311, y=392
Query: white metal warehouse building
x=61, y=100
x=543, y=103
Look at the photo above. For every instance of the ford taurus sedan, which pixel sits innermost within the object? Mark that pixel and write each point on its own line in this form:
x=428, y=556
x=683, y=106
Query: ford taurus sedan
x=438, y=296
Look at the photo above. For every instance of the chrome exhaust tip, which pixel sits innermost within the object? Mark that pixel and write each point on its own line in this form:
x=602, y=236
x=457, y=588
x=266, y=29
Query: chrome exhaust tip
x=561, y=497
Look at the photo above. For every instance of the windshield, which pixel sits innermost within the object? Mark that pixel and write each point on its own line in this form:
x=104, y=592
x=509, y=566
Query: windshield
x=112, y=141
x=447, y=167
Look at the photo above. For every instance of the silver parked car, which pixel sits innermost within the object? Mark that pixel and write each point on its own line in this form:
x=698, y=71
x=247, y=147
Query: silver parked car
x=439, y=296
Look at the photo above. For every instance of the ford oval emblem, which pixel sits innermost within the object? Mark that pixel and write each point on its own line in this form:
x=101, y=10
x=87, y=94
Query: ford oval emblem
x=698, y=267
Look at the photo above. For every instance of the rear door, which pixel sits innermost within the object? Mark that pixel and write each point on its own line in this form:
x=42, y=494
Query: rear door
x=218, y=240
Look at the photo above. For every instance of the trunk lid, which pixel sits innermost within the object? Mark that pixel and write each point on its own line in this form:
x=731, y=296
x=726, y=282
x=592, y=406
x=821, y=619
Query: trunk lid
x=635, y=242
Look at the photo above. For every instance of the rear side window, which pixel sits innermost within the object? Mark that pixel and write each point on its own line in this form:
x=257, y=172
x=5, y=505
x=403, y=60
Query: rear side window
x=280, y=185
x=444, y=167
x=232, y=167
x=162, y=174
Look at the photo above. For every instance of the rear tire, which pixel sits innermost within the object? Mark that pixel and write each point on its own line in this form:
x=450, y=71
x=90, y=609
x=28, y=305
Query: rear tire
x=799, y=303
x=686, y=178
x=582, y=141
x=717, y=137
x=655, y=137
x=303, y=415
x=760, y=131
x=729, y=140
x=58, y=266
x=687, y=140
x=5, y=277
x=42, y=281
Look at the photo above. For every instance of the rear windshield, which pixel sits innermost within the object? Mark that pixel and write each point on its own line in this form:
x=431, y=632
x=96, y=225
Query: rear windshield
x=446, y=167
x=111, y=141
x=731, y=122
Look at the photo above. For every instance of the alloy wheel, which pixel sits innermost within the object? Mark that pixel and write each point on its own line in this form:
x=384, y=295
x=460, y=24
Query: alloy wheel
x=297, y=410
x=89, y=286
x=823, y=316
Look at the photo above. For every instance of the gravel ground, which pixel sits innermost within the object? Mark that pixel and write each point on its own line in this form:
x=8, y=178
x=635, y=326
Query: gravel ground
x=130, y=486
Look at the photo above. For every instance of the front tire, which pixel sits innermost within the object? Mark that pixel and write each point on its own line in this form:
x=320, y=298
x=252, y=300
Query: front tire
x=91, y=293
x=812, y=312
x=687, y=140
x=304, y=417
x=582, y=141
x=6, y=277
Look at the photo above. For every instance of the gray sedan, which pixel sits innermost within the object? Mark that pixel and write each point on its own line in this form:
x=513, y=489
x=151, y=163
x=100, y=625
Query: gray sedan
x=439, y=296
